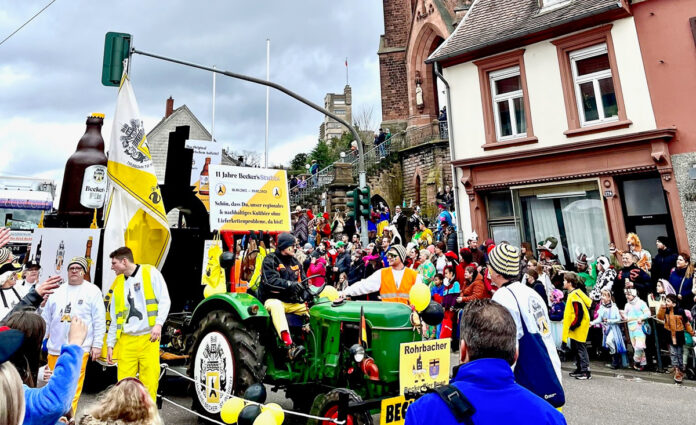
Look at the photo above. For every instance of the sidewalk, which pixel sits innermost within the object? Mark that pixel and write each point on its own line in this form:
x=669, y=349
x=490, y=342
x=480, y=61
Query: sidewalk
x=598, y=368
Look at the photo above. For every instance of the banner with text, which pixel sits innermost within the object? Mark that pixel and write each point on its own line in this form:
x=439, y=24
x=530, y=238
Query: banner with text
x=244, y=198
x=424, y=364
x=205, y=154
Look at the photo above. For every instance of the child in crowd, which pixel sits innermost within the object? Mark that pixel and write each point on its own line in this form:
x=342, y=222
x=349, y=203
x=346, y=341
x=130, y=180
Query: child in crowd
x=437, y=290
x=556, y=316
x=609, y=317
x=663, y=288
x=576, y=323
x=449, y=299
x=634, y=313
x=676, y=322
x=342, y=281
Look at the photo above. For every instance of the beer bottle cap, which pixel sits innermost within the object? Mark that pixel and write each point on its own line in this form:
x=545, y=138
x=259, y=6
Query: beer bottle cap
x=97, y=115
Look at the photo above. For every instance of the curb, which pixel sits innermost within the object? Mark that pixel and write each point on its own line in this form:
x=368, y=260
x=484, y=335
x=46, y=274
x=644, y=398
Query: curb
x=600, y=370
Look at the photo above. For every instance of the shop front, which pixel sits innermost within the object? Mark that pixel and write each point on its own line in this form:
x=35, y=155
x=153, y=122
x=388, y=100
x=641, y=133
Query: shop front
x=583, y=195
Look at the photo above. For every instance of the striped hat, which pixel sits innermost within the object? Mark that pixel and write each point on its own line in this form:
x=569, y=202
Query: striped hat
x=80, y=261
x=399, y=250
x=504, y=259
x=4, y=255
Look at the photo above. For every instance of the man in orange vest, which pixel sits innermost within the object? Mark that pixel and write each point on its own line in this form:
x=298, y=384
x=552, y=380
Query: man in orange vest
x=393, y=282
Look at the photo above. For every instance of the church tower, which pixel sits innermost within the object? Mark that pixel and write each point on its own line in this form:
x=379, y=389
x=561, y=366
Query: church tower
x=413, y=29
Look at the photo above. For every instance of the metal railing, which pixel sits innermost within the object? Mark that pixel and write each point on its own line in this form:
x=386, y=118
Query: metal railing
x=383, y=154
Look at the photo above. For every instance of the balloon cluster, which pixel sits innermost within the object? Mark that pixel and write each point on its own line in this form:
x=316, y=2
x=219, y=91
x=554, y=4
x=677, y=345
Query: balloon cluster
x=330, y=293
x=237, y=410
x=430, y=311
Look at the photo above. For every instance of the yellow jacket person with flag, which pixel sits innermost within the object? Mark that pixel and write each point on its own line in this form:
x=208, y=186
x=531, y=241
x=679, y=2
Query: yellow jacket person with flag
x=138, y=308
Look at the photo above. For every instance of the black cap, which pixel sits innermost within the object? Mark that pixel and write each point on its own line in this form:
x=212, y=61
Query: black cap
x=285, y=240
x=32, y=264
x=10, y=267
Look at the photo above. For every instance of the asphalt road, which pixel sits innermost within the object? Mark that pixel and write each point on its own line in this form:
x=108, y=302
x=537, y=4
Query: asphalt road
x=601, y=400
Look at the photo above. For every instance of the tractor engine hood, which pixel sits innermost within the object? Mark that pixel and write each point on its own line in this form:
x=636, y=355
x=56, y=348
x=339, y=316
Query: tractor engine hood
x=378, y=314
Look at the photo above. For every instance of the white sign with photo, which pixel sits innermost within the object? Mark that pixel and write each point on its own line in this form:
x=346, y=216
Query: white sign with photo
x=53, y=248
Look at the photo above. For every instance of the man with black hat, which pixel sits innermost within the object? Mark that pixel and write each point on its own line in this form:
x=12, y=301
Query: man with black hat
x=10, y=296
x=393, y=283
x=538, y=367
x=79, y=298
x=281, y=288
x=31, y=276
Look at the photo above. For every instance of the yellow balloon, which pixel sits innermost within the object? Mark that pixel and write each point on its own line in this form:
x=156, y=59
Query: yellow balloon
x=419, y=296
x=209, y=290
x=265, y=418
x=329, y=292
x=277, y=412
x=230, y=410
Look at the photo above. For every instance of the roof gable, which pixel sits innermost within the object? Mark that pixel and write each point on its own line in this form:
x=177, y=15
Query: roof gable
x=492, y=22
x=181, y=110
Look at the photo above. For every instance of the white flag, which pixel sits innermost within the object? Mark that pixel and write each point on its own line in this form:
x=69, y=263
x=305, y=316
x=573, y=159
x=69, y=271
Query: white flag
x=134, y=214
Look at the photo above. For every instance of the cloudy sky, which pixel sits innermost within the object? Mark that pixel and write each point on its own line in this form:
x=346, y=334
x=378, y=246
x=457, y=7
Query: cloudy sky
x=50, y=71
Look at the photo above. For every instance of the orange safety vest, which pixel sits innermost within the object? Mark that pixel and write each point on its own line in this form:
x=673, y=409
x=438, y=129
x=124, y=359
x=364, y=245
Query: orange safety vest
x=390, y=293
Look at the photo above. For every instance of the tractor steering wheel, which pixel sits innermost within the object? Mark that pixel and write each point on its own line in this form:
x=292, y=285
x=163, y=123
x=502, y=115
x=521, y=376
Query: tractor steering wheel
x=308, y=294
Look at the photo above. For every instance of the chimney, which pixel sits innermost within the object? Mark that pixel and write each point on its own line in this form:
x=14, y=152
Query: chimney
x=170, y=107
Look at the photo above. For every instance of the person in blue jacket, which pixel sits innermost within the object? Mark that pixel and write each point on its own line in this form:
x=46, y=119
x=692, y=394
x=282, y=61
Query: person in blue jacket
x=45, y=406
x=488, y=349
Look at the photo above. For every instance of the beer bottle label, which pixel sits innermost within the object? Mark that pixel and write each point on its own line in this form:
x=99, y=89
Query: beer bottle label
x=93, y=187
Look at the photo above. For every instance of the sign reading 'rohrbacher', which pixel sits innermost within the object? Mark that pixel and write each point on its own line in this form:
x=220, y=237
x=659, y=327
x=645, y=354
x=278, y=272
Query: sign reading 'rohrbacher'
x=243, y=198
x=423, y=365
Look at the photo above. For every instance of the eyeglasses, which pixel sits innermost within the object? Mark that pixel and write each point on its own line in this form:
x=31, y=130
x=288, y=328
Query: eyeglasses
x=74, y=269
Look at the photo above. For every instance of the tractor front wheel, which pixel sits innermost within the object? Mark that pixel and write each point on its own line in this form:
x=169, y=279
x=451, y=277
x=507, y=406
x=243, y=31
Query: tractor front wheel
x=225, y=359
x=326, y=405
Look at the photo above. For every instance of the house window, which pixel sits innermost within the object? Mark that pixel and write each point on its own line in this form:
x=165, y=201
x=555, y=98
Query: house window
x=339, y=111
x=505, y=100
x=508, y=105
x=594, y=86
x=590, y=81
x=339, y=102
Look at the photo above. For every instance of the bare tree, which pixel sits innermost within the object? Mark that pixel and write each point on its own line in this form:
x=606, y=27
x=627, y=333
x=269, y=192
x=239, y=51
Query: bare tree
x=248, y=158
x=365, y=122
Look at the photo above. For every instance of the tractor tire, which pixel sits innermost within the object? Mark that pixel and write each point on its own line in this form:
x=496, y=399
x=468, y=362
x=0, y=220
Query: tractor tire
x=226, y=357
x=326, y=405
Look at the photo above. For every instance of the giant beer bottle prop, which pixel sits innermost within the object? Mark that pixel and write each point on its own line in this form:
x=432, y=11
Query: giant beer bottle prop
x=84, y=181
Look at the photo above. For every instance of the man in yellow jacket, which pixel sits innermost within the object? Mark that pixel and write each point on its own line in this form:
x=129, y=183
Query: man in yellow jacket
x=576, y=323
x=138, y=308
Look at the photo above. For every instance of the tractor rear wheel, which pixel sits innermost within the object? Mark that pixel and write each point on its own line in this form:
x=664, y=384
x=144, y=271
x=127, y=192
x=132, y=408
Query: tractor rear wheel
x=226, y=357
x=326, y=405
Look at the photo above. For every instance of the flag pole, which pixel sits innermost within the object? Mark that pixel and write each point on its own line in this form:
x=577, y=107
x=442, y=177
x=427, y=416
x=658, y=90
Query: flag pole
x=212, y=127
x=268, y=95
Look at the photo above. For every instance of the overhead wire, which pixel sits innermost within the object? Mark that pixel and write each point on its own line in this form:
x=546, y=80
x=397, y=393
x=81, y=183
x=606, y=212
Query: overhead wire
x=24, y=24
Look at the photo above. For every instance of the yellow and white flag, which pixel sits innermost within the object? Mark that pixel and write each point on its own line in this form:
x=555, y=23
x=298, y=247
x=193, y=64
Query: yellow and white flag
x=134, y=214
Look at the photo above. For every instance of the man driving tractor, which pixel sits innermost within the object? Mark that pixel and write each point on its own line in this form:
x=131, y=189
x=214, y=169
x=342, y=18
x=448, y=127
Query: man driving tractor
x=281, y=290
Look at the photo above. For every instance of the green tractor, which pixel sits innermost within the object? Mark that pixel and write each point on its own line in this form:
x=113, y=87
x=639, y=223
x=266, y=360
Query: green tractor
x=235, y=345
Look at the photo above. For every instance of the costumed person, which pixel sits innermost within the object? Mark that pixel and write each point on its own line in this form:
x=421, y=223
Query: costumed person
x=586, y=271
x=677, y=324
x=662, y=289
x=606, y=276
x=451, y=292
x=281, y=288
x=609, y=318
x=9, y=295
x=79, y=298
x=576, y=324
x=644, y=259
x=138, y=308
x=631, y=276
x=443, y=216
x=556, y=317
x=546, y=256
x=635, y=312
x=393, y=283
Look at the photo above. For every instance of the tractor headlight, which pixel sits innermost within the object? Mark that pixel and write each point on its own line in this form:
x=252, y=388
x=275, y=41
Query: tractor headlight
x=357, y=351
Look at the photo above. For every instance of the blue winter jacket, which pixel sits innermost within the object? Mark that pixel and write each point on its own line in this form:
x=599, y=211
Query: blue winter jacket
x=490, y=387
x=46, y=405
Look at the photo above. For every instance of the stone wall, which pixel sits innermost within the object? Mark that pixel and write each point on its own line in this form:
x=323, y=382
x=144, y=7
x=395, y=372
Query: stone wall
x=430, y=162
x=681, y=164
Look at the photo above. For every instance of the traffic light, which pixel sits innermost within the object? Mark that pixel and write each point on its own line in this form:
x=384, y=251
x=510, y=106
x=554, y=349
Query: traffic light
x=354, y=203
x=116, y=49
x=364, y=202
